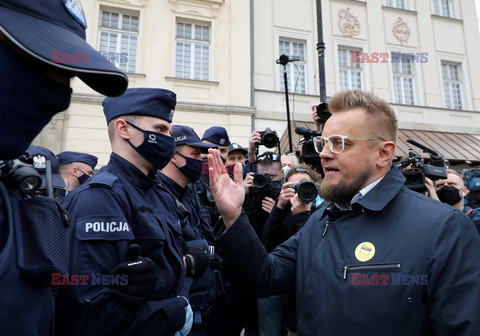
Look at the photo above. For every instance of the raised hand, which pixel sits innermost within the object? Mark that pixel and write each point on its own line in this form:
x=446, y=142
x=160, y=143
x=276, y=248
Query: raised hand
x=285, y=195
x=229, y=195
x=267, y=204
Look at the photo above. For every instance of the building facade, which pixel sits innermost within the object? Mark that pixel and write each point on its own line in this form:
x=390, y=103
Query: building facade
x=419, y=55
x=197, y=48
x=219, y=56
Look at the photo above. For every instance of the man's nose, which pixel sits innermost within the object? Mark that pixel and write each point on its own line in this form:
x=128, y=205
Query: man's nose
x=326, y=152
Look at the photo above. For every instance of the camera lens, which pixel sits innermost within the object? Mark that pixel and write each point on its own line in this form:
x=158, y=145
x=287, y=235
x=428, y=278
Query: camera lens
x=259, y=181
x=270, y=140
x=307, y=192
x=323, y=113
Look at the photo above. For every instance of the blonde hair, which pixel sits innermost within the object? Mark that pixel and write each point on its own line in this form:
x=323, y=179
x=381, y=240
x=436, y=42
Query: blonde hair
x=133, y=118
x=378, y=110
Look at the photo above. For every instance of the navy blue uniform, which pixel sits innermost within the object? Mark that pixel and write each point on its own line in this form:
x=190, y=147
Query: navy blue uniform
x=204, y=290
x=115, y=208
x=27, y=308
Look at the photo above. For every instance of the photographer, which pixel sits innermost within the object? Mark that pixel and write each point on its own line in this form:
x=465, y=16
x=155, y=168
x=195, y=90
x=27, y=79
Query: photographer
x=287, y=217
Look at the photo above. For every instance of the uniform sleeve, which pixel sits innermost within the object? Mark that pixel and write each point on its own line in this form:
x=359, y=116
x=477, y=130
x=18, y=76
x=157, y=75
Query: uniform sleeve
x=453, y=291
x=100, y=234
x=264, y=274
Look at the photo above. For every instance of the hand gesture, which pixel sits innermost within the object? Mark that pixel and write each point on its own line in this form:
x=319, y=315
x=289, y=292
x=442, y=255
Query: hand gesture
x=268, y=204
x=229, y=195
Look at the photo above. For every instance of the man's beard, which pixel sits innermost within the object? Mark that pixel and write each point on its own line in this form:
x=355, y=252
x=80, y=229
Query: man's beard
x=342, y=192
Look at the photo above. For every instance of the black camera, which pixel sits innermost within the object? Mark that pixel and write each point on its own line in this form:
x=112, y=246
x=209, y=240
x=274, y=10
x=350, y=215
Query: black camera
x=416, y=175
x=21, y=175
x=265, y=185
x=323, y=112
x=306, y=190
x=269, y=138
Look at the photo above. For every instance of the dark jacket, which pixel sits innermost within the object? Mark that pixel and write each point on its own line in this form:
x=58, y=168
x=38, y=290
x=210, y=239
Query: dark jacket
x=281, y=225
x=423, y=277
x=117, y=207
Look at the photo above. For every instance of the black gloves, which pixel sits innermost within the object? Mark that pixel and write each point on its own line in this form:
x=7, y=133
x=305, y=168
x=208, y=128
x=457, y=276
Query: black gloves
x=196, y=261
x=142, y=277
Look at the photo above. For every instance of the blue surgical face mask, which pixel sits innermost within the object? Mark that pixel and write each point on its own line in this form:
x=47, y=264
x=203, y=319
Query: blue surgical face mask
x=285, y=171
x=28, y=101
x=192, y=169
x=156, y=147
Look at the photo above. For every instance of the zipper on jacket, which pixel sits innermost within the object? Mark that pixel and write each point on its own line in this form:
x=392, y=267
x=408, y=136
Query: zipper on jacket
x=369, y=267
x=327, y=224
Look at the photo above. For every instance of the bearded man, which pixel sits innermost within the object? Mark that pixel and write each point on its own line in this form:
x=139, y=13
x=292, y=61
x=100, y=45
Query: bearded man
x=376, y=258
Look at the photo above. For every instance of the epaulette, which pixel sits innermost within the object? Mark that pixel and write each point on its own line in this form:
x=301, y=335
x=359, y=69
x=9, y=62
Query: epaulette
x=103, y=179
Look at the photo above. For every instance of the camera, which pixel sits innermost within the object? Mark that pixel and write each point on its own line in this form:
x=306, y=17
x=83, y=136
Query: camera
x=21, y=175
x=306, y=190
x=269, y=138
x=323, y=112
x=265, y=185
x=416, y=175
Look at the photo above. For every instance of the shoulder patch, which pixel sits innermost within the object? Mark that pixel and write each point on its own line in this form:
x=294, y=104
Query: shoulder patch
x=103, y=179
x=103, y=227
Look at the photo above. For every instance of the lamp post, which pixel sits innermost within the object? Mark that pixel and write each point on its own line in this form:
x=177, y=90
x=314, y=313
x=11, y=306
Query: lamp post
x=321, y=53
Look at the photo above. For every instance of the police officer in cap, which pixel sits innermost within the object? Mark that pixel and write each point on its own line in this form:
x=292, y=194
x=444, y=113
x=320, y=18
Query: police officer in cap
x=76, y=168
x=33, y=89
x=183, y=169
x=40, y=156
x=217, y=135
x=120, y=230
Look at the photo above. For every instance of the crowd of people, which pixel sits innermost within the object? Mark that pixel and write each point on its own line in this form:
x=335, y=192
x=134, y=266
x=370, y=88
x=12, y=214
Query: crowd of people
x=182, y=235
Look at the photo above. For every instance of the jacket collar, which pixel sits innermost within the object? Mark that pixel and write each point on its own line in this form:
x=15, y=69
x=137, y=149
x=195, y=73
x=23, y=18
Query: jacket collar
x=171, y=185
x=377, y=198
x=131, y=173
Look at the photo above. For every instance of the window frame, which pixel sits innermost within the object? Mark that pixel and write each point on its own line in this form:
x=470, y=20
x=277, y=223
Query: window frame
x=283, y=34
x=454, y=9
x=407, y=4
x=292, y=66
x=461, y=81
x=121, y=12
x=193, y=42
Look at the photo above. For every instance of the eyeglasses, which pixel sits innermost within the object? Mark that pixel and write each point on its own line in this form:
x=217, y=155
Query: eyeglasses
x=336, y=142
x=303, y=170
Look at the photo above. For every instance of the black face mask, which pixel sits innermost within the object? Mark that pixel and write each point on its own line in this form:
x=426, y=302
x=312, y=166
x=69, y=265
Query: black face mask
x=192, y=169
x=81, y=179
x=449, y=195
x=156, y=147
x=28, y=99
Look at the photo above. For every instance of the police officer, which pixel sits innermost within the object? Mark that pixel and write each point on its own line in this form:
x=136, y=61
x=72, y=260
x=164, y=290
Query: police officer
x=121, y=235
x=217, y=135
x=76, y=168
x=33, y=88
x=185, y=168
x=40, y=156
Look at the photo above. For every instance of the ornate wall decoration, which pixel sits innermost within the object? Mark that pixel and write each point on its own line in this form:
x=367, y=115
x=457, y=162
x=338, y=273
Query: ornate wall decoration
x=401, y=31
x=348, y=23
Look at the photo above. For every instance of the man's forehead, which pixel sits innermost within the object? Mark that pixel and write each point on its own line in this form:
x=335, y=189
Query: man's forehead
x=346, y=123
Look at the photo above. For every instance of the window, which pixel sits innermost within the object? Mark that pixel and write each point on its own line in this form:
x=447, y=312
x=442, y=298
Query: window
x=402, y=4
x=452, y=85
x=119, y=39
x=403, y=79
x=295, y=70
x=443, y=8
x=350, y=72
x=192, y=53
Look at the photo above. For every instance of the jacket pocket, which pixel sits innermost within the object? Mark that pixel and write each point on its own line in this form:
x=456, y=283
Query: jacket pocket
x=381, y=267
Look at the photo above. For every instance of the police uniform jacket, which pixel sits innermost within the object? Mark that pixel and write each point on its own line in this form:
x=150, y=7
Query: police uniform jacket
x=399, y=263
x=115, y=208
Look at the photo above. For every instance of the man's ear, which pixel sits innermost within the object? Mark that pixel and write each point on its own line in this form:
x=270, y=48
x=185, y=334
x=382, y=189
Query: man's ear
x=386, y=151
x=465, y=191
x=122, y=129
